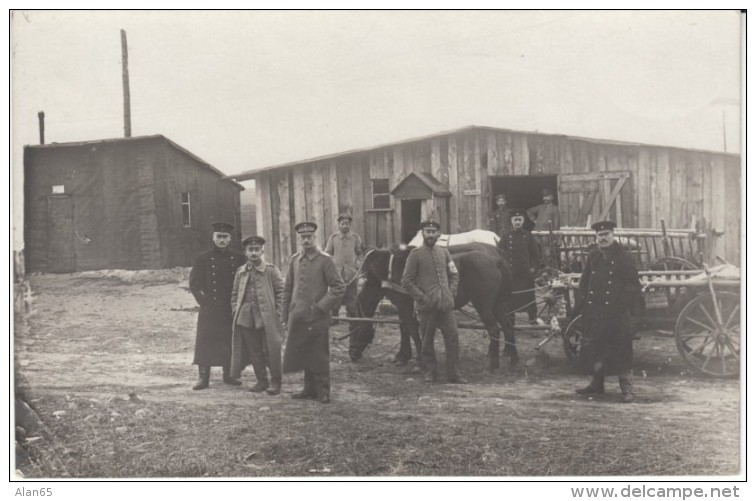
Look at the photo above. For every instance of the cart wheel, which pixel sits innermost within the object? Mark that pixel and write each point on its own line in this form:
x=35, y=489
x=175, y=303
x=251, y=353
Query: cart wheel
x=710, y=348
x=672, y=264
x=571, y=338
x=548, y=302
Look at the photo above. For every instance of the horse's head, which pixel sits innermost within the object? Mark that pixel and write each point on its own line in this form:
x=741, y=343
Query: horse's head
x=377, y=263
x=399, y=254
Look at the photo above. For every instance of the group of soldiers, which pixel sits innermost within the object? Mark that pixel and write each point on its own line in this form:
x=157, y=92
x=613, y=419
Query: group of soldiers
x=607, y=291
x=248, y=309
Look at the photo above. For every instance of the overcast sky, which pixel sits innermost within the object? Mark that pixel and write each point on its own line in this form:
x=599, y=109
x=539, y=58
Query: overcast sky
x=247, y=90
x=244, y=90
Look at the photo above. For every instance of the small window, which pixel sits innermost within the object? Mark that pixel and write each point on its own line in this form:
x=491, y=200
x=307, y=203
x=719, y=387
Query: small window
x=59, y=189
x=186, y=210
x=381, y=195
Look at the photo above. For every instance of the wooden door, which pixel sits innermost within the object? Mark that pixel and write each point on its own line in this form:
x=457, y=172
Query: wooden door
x=592, y=196
x=60, y=235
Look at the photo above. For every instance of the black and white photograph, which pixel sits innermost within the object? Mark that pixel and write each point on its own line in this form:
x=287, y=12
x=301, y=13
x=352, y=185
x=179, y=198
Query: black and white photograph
x=332, y=245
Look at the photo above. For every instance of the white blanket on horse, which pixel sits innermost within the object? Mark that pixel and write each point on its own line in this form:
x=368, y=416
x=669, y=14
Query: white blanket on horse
x=469, y=237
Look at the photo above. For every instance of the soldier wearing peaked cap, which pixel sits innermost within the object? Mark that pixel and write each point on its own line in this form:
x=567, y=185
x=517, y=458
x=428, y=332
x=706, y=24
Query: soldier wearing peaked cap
x=431, y=278
x=346, y=248
x=210, y=282
x=313, y=286
x=500, y=221
x=257, y=332
x=546, y=217
x=608, y=289
x=521, y=253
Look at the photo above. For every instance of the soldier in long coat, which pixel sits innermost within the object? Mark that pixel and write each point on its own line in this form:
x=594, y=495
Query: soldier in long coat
x=521, y=253
x=346, y=248
x=608, y=289
x=257, y=331
x=313, y=286
x=431, y=278
x=210, y=282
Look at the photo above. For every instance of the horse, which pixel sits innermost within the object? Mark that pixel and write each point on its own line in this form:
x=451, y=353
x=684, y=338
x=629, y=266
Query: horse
x=484, y=280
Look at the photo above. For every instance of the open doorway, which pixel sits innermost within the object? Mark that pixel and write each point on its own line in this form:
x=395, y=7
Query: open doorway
x=411, y=215
x=522, y=192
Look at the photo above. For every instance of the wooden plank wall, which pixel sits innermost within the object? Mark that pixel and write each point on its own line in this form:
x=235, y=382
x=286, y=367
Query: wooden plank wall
x=665, y=183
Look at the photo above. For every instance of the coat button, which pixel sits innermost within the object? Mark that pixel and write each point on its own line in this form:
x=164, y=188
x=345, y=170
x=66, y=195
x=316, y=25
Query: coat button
x=607, y=302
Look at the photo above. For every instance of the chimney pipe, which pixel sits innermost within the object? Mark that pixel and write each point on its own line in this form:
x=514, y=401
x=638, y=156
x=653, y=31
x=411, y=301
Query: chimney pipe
x=41, y=116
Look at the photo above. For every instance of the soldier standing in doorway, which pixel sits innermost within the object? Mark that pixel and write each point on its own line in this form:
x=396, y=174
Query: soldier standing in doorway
x=210, y=282
x=500, y=221
x=545, y=217
x=313, y=286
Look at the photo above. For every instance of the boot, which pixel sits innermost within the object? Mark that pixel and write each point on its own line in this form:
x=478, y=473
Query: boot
x=626, y=386
x=261, y=373
x=260, y=386
x=228, y=379
x=596, y=386
x=304, y=395
x=204, y=378
x=274, y=389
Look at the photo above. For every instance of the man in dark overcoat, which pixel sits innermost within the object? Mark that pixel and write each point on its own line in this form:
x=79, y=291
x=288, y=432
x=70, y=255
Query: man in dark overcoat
x=608, y=289
x=521, y=253
x=431, y=278
x=313, y=286
x=210, y=281
x=257, y=331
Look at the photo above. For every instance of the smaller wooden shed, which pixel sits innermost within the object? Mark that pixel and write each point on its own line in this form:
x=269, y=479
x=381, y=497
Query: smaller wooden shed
x=126, y=203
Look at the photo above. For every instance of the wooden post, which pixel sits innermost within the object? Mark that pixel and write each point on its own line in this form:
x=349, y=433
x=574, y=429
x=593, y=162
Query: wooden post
x=126, y=91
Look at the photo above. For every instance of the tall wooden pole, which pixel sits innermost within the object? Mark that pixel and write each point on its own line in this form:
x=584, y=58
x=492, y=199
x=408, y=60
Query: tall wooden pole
x=126, y=92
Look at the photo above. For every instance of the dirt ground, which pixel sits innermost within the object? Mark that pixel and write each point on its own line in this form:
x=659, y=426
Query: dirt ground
x=104, y=360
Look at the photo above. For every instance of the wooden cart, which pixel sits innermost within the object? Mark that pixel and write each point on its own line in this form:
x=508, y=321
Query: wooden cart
x=702, y=308
x=566, y=249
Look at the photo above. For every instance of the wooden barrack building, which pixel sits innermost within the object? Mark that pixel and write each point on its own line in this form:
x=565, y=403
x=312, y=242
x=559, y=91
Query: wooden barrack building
x=453, y=176
x=126, y=203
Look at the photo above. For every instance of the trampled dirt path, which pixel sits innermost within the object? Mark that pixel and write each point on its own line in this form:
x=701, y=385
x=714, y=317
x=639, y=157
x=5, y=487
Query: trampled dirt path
x=96, y=337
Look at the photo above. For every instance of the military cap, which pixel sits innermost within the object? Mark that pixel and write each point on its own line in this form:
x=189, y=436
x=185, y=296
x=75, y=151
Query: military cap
x=429, y=223
x=546, y=191
x=344, y=216
x=222, y=227
x=603, y=226
x=517, y=212
x=253, y=240
x=501, y=196
x=305, y=227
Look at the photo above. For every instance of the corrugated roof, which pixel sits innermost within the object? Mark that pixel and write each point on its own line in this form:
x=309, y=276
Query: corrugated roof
x=140, y=138
x=250, y=174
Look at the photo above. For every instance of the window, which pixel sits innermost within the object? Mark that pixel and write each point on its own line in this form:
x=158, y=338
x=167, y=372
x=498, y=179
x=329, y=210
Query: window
x=186, y=210
x=381, y=195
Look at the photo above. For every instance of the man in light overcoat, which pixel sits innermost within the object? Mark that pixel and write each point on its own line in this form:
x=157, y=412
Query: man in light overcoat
x=257, y=331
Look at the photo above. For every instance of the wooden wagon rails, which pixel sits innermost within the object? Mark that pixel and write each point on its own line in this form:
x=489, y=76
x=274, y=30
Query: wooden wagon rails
x=700, y=307
x=652, y=248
